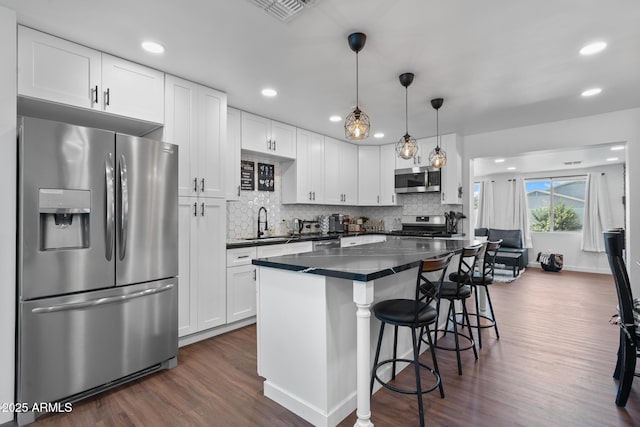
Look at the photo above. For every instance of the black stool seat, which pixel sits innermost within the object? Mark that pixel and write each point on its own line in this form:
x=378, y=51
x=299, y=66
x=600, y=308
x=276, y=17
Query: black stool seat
x=417, y=314
x=400, y=312
x=450, y=289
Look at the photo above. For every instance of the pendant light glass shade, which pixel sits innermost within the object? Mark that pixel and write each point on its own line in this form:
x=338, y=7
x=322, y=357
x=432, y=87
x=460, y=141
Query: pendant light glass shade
x=407, y=147
x=357, y=123
x=437, y=157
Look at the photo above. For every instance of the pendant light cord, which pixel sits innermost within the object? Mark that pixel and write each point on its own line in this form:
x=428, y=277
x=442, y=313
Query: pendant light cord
x=406, y=110
x=437, y=130
x=357, y=82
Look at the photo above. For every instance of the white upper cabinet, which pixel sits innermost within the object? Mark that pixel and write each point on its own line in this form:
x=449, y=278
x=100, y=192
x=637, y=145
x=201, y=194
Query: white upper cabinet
x=232, y=154
x=387, y=175
x=196, y=120
x=267, y=136
x=451, y=178
x=60, y=71
x=341, y=172
x=131, y=90
x=376, y=177
x=303, y=179
x=368, y=175
x=57, y=70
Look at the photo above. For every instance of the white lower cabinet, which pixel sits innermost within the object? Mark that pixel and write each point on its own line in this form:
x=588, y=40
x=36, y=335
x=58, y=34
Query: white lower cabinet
x=241, y=284
x=201, y=242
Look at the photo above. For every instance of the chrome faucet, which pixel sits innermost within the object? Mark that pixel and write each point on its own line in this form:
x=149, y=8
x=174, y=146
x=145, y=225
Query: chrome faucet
x=266, y=225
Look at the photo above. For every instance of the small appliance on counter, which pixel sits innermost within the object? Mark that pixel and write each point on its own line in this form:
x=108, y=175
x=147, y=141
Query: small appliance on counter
x=425, y=226
x=335, y=223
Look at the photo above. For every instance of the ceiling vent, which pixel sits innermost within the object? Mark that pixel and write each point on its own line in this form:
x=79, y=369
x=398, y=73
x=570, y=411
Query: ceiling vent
x=284, y=10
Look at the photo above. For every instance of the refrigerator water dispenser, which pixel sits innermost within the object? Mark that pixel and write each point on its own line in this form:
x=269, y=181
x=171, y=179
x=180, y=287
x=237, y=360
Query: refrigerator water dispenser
x=64, y=219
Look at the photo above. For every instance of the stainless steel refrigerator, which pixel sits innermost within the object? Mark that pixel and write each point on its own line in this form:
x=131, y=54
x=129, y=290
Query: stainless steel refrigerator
x=97, y=260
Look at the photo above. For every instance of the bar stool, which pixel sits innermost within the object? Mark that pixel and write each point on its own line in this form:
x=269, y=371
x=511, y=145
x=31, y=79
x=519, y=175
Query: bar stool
x=459, y=289
x=483, y=279
x=417, y=314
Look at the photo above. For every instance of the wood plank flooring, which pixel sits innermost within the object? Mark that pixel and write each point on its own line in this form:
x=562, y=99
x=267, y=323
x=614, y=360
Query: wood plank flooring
x=551, y=367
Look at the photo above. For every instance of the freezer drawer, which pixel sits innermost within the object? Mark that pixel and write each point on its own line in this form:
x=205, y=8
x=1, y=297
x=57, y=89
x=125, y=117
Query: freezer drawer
x=71, y=344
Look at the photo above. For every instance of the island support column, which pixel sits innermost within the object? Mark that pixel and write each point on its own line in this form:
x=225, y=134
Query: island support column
x=363, y=297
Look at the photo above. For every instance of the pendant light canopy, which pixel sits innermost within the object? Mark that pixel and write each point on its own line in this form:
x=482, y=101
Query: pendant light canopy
x=407, y=147
x=356, y=124
x=437, y=157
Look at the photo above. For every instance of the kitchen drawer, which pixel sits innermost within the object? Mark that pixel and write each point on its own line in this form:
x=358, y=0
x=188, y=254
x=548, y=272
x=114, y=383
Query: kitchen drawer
x=362, y=240
x=240, y=256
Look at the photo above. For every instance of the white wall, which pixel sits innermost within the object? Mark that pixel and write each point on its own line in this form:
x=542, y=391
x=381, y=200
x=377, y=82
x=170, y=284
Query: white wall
x=566, y=243
x=619, y=126
x=8, y=164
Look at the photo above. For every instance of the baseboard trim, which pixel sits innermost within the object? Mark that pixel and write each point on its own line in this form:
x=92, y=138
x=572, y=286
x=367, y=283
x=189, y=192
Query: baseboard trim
x=210, y=333
x=578, y=269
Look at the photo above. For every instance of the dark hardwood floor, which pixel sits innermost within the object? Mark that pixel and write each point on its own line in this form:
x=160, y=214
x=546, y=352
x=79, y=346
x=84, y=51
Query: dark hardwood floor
x=551, y=367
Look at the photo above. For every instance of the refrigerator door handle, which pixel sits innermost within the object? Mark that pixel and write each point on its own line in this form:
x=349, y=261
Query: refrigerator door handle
x=101, y=301
x=124, y=206
x=110, y=207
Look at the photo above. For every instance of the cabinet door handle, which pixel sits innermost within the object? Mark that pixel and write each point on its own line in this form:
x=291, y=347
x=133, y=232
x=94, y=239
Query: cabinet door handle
x=393, y=198
x=238, y=191
x=243, y=256
x=107, y=97
x=269, y=144
x=442, y=196
x=195, y=184
x=378, y=200
x=310, y=196
x=254, y=275
x=314, y=195
x=195, y=209
x=202, y=185
x=274, y=145
x=94, y=98
x=202, y=210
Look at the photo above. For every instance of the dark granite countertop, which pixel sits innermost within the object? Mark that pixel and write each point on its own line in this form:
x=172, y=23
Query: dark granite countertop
x=366, y=262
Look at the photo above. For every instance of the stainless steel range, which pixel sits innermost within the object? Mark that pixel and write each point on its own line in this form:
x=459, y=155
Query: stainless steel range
x=424, y=226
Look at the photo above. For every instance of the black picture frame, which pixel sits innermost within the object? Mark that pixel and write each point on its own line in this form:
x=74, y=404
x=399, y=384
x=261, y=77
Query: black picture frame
x=247, y=175
x=266, y=177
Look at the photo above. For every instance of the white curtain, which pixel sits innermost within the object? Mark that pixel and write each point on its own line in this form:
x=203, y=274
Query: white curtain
x=597, y=213
x=486, y=216
x=517, y=210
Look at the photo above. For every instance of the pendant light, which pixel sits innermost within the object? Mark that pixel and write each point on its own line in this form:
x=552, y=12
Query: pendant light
x=356, y=124
x=407, y=147
x=437, y=157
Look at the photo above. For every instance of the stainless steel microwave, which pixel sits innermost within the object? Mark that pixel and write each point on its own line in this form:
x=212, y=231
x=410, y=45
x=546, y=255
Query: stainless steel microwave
x=422, y=179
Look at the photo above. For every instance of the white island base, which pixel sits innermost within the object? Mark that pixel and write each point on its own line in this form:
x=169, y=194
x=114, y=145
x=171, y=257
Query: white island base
x=316, y=341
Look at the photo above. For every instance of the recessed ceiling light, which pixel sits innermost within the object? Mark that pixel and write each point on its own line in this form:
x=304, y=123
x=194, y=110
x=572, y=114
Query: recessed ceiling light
x=152, y=47
x=499, y=160
x=378, y=135
x=269, y=92
x=612, y=159
x=592, y=48
x=592, y=91
x=617, y=148
x=511, y=168
x=335, y=118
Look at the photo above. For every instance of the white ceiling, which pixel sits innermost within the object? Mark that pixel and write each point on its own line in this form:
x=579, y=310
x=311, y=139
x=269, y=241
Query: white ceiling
x=497, y=63
x=552, y=160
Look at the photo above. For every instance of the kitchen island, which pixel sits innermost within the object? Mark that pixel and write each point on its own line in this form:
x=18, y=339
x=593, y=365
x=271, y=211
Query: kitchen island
x=314, y=343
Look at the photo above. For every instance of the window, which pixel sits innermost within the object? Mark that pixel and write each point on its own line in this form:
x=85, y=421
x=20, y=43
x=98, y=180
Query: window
x=556, y=204
x=476, y=202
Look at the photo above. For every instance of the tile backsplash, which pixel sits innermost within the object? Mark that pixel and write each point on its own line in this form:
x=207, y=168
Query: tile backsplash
x=242, y=215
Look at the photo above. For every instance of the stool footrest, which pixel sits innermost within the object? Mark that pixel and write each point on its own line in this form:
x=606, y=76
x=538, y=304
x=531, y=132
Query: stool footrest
x=460, y=335
x=386, y=385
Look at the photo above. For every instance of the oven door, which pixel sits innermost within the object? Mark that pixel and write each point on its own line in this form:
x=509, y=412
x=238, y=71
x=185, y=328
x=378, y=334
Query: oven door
x=417, y=180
